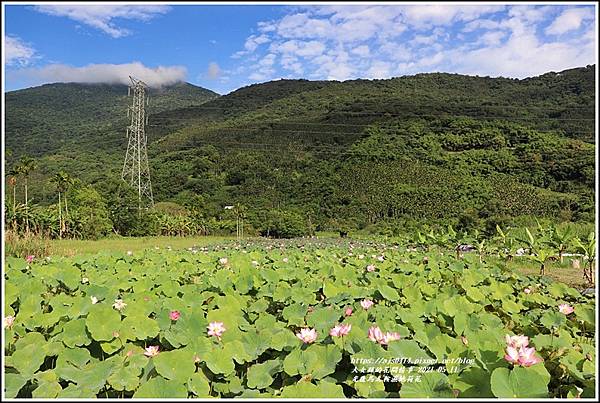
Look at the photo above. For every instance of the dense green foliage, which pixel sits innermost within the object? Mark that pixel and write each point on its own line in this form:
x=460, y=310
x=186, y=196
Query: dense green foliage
x=89, y=326
x=442, y=148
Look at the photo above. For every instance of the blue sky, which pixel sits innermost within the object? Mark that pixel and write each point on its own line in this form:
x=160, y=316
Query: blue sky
x=225, y=47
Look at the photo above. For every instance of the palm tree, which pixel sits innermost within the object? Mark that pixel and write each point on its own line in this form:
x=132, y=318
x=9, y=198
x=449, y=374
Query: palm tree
x=58, y=180
x=63, y=181
x=12, y=181
x=67, y=181
x=24, y=167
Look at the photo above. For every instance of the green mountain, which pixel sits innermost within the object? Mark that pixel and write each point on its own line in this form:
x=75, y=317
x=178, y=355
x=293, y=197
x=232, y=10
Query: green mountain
x=425, y=147
x=60, y=117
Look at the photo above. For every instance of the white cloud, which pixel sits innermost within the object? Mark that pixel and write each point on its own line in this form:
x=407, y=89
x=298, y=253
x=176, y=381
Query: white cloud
x=480, y=24
x=17, y=52
x=569, y=20
x=251, y=44
x=101, y=73
x=213, y=71
x=267, y=61
x=344, y=42
x=303, y=26
x=427, y=16
x=362, y=51
x=101, y=16
x=299, y=48
x=492, y=38
x=379, y=69
x=523, y=54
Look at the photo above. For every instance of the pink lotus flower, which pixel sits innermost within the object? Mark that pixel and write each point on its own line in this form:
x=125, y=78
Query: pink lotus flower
x=116, y=334
x=340, y=330
x=129, y=353
x=174, y=315
x=8, y=321
x=151, y=351
x=348, y=311
x=523, y=356
x=389, y=336
x=119, y=304
x=375, y=334
x=30, y=258
x=197, y=358
x=371, y=268
x=518, y=353
x=216, y=329
x=366, y=303
x=565, y=308
x=307, y=335
x=527, y=290
x=223, y=261
x=517, y=341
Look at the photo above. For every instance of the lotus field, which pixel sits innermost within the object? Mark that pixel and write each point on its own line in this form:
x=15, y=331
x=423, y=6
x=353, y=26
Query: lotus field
x=264, y=319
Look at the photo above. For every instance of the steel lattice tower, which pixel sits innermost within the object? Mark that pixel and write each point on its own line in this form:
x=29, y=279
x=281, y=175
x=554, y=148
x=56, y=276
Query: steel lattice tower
x=136, y=171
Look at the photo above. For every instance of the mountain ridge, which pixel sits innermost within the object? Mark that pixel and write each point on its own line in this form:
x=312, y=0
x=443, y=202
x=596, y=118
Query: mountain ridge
x=286, y=143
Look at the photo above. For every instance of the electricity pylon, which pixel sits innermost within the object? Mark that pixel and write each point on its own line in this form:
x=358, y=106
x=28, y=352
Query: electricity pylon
x=136, y=171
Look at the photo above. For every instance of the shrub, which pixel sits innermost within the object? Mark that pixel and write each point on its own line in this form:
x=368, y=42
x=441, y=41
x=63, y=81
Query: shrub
x=283, y=224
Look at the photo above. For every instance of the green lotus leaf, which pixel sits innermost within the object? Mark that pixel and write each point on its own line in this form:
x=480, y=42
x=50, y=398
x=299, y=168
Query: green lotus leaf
x=519, y=382
x=158, y=387
x=13, y=384
x=176, y=364
x=47, y=390
x=586, y=314
x=125, y=378
x=407, y=348
x=75, y=391
x=388, y=293
x=309, y=390
x=28, y=359
x=138, y=328
x=74, y=334
x=553, y=319
x=473, y=382
x=261, y=375
x=198, y=384
x=370, y=389
x=431, y=385
x=219, y=361
x=294, y=314
x=102, y=322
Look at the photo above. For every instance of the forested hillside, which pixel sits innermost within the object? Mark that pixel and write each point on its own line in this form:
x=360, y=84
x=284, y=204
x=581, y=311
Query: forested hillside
x=80, y=117
x=447, y=148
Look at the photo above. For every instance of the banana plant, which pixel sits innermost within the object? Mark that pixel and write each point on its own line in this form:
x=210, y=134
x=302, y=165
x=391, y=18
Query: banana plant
x=541, y=256
x=507, y=242
x=540, y=253
x=588, y=248
x=560, y=240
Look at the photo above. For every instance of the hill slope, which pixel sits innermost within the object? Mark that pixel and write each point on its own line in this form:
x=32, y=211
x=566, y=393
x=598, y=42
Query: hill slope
x=430, y=146
x=45, y=119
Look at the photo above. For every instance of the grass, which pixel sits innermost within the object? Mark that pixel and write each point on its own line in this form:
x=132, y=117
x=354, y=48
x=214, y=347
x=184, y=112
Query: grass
x=557, y=271
x=72, y=247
